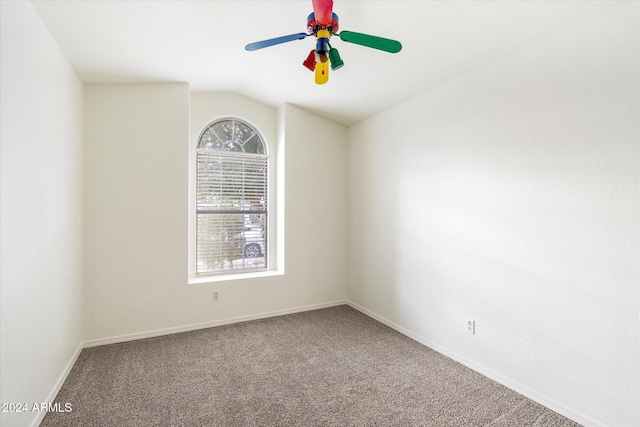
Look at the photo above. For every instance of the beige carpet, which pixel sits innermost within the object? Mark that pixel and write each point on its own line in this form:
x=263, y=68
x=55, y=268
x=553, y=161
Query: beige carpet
x=330, y=367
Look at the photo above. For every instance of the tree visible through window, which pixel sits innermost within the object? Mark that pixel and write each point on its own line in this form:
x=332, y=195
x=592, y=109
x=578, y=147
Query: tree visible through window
x=231, y=199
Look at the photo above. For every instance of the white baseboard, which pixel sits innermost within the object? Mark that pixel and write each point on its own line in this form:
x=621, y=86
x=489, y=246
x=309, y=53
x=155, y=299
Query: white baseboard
x=196, y=326
x=507, y=382
x=58, y=384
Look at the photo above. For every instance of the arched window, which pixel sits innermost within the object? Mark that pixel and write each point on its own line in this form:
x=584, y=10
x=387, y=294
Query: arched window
x=231, y=199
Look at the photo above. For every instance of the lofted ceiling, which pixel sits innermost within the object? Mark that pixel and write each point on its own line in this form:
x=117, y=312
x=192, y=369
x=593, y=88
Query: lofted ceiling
x=202, y=43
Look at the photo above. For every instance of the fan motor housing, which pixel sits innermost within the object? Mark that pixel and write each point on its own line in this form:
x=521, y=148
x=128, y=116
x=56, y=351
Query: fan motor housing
x=313, y=26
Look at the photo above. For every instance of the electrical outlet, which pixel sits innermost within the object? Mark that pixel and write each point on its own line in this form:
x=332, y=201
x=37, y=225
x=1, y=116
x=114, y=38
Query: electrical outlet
x=471, y=327
x=215, y=297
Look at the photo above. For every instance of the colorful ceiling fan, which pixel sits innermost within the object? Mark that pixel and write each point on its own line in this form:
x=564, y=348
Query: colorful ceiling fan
x=323, y=24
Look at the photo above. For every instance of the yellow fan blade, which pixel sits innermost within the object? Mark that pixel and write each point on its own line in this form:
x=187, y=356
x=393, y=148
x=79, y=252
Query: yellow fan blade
x=322, y=72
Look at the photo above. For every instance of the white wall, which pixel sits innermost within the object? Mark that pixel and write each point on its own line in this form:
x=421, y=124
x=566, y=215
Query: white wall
x=136, y=214
x=316, y=206
x=511, y=197
x=41, y=102
x=135, y=207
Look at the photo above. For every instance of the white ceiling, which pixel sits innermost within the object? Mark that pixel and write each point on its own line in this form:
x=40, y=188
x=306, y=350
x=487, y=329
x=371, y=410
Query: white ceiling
x=202, y=43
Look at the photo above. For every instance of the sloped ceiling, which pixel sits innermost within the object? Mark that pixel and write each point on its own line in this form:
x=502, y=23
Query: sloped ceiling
x=202, y=43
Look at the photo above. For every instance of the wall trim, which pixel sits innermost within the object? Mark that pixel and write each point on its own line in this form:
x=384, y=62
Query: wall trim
x=204, y=325
x=58, y=384
x=546, y=401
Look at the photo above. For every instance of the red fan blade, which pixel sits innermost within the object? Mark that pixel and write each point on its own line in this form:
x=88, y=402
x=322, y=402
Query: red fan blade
x=322, y=10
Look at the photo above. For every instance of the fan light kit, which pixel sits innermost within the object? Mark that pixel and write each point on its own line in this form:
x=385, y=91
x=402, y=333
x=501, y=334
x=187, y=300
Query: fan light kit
x=323, y=24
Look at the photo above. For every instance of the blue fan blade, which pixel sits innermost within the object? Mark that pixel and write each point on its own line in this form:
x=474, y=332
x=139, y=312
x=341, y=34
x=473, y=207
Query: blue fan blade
x=277, y=40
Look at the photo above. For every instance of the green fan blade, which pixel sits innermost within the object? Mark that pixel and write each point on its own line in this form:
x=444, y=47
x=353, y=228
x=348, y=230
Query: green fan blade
x=388, y=45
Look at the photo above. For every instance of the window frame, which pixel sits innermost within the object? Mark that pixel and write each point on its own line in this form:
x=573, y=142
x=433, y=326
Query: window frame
x=274, y=265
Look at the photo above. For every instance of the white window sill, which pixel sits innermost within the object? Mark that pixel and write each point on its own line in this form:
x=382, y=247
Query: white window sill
x=237, y=276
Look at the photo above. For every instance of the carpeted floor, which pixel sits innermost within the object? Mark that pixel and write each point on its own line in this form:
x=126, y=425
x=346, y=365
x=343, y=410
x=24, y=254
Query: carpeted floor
x=330, y=367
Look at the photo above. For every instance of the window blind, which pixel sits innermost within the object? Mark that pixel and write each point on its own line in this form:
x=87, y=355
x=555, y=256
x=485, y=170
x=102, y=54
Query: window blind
x=231, y=210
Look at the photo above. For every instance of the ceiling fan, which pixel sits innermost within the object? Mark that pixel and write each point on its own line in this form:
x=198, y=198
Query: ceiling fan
x=323, y=23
